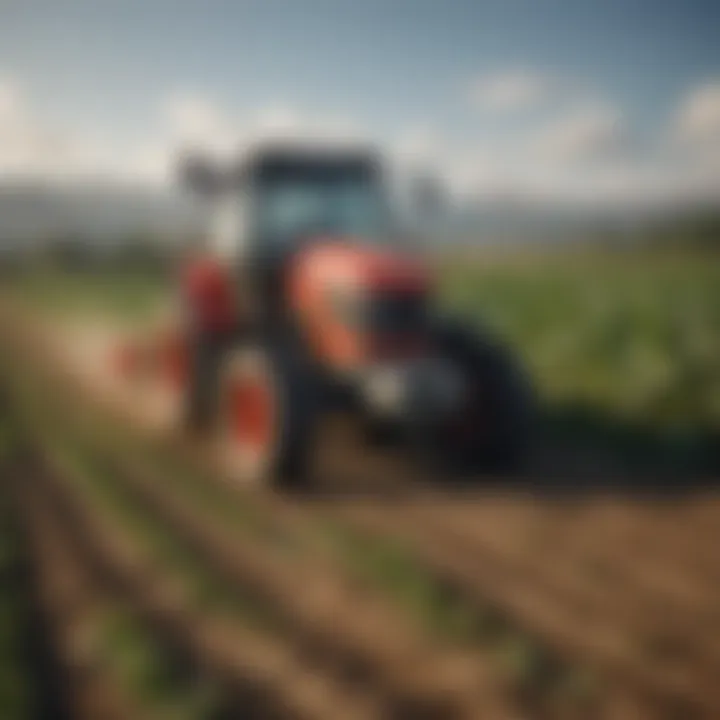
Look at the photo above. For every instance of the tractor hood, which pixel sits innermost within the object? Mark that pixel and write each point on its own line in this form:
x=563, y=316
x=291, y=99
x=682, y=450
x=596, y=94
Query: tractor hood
x=360, y=262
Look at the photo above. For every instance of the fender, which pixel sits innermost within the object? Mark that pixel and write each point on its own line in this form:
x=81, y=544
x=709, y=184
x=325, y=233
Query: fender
x=207, y=289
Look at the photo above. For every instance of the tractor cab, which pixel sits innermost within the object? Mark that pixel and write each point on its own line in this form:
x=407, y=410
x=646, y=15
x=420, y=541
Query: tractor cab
x=296, y=195
x=280, y=197
x=296, y=199
x=286, y=213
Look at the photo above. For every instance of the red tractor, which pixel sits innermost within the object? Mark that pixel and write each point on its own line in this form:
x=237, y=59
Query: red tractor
x=305, y=303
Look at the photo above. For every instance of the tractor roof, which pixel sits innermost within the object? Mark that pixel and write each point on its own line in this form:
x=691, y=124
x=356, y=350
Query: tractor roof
x=275, y=158
x=279, y=158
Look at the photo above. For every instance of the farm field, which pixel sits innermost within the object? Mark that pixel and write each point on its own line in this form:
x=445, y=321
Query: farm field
x=589, y=588
x=622, y=346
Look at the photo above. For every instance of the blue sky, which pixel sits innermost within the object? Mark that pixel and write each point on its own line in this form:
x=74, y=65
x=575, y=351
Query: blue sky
x=478, y=87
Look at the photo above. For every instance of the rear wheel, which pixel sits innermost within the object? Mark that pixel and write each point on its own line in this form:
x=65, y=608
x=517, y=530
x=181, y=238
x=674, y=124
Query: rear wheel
x=491, y=431
x=267, y=416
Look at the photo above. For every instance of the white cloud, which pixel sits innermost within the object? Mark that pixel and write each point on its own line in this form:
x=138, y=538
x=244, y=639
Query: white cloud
x=199, y=122
x=150, y=162
x=418, y=144
x=31, y=146
x=277, y=118
x=22, y=142
x=694, y=137
x=10, y=100
x=192, y=120
x=510, y=91
x=586, y=151
x=585, y=132
x=587, y=154
x=698, y=119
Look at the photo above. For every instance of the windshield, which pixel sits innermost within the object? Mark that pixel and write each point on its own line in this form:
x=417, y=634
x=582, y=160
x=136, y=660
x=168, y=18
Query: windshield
x=298, y=206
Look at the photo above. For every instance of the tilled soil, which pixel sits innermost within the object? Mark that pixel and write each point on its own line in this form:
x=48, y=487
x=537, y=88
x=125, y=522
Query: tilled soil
x=262, y=678
x=350, y=630
x=668, y=659
x=69, y=600
x=627, y=586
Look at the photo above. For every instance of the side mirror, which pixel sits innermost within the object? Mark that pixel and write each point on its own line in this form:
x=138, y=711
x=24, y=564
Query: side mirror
x=200, y=175
x=428, y=205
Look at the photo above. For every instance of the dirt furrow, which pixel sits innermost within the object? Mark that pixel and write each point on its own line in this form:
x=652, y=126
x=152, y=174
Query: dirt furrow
x=268, y=678
x=551, y=613
x=545, y=612
x=653, y=606
x=203, y=456
x=646, y=545
x=71, y=603
x=654, y=550
x=353, y=633
x=351, y=630
x=670, y=617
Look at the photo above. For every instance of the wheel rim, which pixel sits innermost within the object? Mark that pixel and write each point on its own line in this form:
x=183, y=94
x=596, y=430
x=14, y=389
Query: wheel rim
x=251, y=416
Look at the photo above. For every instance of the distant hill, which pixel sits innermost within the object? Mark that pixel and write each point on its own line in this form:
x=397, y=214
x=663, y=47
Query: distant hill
x=109, y=212
x=99, y=213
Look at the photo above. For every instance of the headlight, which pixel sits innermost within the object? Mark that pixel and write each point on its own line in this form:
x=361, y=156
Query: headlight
x=386, y=389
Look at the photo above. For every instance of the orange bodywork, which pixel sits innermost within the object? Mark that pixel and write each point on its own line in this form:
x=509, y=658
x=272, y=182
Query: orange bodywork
x=348, y=267
x=252, y=419
x=208, y=287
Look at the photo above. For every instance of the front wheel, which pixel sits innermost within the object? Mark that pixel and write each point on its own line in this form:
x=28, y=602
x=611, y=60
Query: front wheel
x=490, y=433
x=267, y=416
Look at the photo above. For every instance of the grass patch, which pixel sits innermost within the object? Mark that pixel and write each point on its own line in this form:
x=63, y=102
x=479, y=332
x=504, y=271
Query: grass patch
x=166, y=687
x=622, y=346
x=118, y=295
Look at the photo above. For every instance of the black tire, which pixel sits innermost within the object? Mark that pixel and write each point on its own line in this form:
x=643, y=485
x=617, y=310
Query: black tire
x=500, y=404
x=204, y=354
x=286, y=465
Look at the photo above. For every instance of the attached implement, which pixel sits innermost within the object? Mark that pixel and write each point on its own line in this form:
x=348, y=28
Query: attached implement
x=305, y=302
